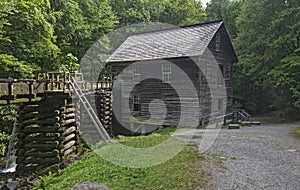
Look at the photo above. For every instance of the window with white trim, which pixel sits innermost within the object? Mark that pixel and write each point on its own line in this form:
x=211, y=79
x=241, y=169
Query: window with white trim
x=136, y=99
x=218, y=42
x=227, y=72
x=136, y=74
x=166, y=73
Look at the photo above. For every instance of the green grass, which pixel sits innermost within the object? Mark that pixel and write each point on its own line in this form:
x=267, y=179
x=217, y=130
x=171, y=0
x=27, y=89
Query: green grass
x=297, y=132
x=181, y=172
x=201, y=127
x=223, y=126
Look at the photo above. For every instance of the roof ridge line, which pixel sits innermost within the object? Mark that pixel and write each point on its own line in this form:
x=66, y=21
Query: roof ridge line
x=204, y=23
x=177, y=27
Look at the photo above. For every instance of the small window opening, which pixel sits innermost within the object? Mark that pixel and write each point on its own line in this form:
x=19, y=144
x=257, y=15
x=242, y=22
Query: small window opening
x=227, y=72
x=166, y=73
x=136, y=99
x=136, y=74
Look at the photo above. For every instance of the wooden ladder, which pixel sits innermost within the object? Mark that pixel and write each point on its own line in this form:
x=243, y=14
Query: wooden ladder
x=90, y=111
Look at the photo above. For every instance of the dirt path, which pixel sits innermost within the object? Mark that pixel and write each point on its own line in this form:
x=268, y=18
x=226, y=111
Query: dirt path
x=258, y=157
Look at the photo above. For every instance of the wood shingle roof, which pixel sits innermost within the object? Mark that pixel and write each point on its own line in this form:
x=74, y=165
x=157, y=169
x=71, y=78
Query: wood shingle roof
x=170, y=43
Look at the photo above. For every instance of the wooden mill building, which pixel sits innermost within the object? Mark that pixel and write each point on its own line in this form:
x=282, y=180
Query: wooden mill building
x=184, y=68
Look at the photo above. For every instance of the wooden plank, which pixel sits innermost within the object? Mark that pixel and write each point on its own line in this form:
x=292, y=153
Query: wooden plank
x=233, y=126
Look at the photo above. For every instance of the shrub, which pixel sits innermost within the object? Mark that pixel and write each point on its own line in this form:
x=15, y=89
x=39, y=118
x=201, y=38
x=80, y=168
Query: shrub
x=4, y=139
x=7, y=119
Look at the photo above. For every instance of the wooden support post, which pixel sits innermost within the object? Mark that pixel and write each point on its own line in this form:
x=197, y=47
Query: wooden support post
x=10, y=91
x=58, y=81
x=30, y=91
x=64, y=82
x=47, y=82
x=235, y=119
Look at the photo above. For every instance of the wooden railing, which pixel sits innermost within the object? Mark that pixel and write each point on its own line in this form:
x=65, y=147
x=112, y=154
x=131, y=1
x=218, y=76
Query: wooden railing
x=235, y=117
x=29, y=89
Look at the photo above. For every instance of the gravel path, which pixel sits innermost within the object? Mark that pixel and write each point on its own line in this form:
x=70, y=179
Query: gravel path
x=258, y=157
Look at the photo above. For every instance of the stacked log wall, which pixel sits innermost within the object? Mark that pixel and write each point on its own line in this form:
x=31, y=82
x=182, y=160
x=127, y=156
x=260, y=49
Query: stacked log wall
x=47, y=133
x=104, y=109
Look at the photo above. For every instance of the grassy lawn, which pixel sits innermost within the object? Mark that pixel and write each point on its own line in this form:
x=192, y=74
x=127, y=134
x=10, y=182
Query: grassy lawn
x=297, y=132
x=184, y=171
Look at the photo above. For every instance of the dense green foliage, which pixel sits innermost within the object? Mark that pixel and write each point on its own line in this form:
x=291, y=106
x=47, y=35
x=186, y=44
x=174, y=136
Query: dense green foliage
x=176, y=12
x=184, y=171
x=266, y=36
x=49, y=35
x=268, y=47
x=7, y=119
x=225, y=10
x=4, y=139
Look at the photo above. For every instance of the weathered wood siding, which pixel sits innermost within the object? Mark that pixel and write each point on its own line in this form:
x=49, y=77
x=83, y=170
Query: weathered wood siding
x=226, y=56
x=151, y=89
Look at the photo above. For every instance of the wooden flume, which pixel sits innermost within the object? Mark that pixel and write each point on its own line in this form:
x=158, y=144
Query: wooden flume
x=49, y=117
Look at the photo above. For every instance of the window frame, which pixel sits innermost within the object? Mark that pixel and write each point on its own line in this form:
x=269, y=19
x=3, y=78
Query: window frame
x=136, y=74
x=166, y=72
x=227, y=71
x=136, y=102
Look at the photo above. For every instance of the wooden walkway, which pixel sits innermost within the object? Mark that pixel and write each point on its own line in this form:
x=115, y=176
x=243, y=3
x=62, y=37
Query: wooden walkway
x=27, y=90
